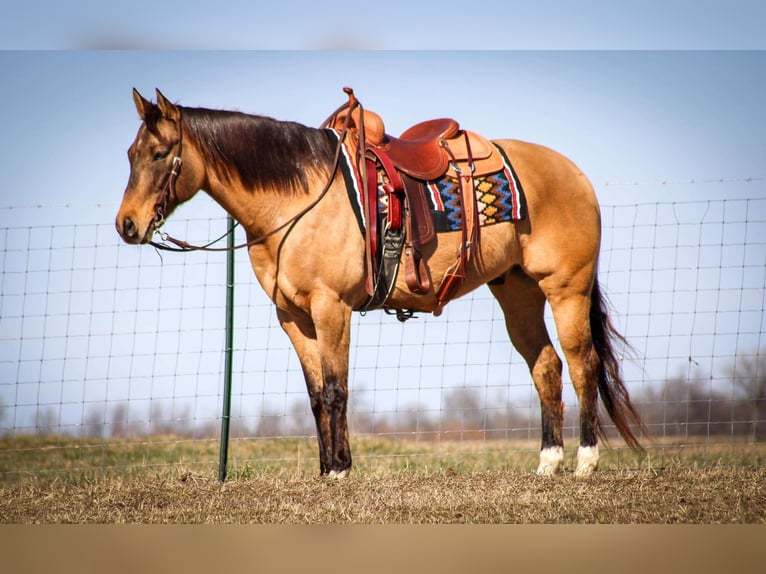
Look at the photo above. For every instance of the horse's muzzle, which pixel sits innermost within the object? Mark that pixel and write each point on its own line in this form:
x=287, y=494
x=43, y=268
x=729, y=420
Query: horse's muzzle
x=129, y=231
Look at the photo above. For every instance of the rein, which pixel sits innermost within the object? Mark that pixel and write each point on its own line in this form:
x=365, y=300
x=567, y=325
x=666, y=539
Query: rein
x=169, y=189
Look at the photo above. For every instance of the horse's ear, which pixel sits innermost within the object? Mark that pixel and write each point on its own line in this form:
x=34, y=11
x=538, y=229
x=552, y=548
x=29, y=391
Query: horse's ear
x=168, y=110
x=142, y=104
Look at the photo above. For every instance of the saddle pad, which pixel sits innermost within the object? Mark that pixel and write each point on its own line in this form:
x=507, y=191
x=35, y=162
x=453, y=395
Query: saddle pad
x=500, y=195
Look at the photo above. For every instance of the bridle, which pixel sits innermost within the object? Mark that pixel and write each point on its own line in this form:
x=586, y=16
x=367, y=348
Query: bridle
x=169, y=191
x=168, y=184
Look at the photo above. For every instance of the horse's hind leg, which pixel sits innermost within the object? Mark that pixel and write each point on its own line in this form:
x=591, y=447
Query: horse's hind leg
x=523, y=304
x=570, y=302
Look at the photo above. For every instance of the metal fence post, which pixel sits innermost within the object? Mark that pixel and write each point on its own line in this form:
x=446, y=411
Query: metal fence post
x=229, y=351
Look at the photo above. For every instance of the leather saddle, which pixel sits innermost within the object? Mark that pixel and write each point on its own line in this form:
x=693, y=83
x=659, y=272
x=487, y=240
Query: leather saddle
x=428, y=150
x=425, y=152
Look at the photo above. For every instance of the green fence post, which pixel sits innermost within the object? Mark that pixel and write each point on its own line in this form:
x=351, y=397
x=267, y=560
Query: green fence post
x=229, y=352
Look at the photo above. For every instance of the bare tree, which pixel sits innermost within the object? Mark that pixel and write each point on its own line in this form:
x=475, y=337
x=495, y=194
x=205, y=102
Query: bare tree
x=749, y=376
x=270, y=424
x=119, y=420
x=94, y=421
x=46, y=421
x=414, y=419
x=300, y=423
x=462, y=407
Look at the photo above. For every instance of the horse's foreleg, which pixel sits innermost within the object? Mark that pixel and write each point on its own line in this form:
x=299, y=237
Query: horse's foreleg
x=303, y=337
x=523, y=305
x=332, y=319
x=322, y=344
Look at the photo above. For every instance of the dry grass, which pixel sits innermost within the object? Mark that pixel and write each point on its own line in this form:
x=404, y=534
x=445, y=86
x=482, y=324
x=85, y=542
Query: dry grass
x=671, y=495
x=398, y=483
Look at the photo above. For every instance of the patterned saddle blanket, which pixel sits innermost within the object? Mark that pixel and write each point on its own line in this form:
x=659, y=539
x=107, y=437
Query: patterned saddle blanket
x=500, y=196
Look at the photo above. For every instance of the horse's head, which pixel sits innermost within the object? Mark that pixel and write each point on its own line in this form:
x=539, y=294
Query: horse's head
x=157, y=160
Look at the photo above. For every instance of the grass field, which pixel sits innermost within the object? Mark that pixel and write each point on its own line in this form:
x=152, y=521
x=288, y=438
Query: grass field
x=171, y=480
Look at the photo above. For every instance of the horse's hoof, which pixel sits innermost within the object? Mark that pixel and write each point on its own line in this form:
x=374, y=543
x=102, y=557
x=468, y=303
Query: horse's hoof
x=551, y=461
x=587, y=461
x=337, y=474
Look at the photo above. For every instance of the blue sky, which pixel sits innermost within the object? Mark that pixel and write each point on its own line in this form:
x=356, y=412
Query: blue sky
x=401, y=24
x=622, y=116
x=621, y=112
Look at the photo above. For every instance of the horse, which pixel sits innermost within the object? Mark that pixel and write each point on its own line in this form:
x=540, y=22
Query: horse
x=279, y=180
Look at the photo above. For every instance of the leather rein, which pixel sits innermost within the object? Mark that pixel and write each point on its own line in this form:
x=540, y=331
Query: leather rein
x=169, y=190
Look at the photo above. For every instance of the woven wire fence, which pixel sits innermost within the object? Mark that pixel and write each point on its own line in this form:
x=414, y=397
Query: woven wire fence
x=111, y=356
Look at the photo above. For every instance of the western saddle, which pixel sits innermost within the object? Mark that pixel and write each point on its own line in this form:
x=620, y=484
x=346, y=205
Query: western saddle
x=427, y=151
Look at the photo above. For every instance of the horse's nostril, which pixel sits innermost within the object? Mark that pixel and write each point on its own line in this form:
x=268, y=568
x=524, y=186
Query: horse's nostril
x=129, y=227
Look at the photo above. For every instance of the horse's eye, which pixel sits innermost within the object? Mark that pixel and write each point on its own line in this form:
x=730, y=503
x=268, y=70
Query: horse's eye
x=159, y=155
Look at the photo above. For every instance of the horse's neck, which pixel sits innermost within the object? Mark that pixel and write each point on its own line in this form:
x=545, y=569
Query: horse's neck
x=243, y=205
x=259, y=211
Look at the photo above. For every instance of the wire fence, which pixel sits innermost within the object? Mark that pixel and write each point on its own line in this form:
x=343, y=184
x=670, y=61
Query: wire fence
x=104, y=344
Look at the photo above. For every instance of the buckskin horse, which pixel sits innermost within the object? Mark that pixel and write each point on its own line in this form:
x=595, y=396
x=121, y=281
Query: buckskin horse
x=280, y=180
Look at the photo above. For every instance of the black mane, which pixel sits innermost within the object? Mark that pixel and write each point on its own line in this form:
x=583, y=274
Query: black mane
x=261, y=151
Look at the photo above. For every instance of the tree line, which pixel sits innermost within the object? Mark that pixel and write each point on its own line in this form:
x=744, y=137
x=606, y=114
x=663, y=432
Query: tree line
x=677, y=407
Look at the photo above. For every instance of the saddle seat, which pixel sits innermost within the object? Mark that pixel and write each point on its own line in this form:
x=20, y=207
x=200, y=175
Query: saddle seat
x=418, y=151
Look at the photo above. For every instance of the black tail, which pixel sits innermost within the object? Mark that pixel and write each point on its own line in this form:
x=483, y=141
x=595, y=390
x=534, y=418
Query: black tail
x=611, y=387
